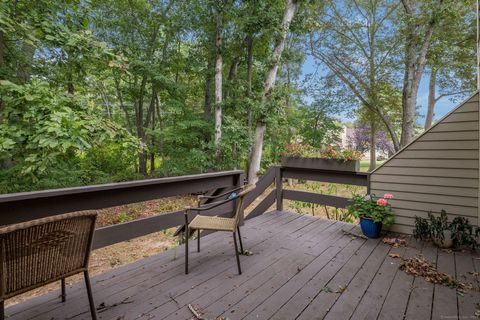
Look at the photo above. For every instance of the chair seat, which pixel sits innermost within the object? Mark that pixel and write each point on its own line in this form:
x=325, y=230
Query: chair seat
x=212, y=223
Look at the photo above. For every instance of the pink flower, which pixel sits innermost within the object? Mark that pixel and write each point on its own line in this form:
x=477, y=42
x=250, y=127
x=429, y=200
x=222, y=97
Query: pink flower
x=382, y=202
x=388, y=196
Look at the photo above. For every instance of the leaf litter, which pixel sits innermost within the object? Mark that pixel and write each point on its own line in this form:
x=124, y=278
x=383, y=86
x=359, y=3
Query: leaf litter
x=418, y=266
x=395, y=242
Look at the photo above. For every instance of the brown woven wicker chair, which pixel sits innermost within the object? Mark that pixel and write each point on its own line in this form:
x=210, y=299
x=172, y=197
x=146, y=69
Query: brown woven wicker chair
x=39, y=252
x=201, y=222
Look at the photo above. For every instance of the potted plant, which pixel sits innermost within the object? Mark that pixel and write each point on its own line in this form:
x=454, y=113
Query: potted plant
x=323, y=157
x=440, y=230
x=457, y=233
x=373, y=212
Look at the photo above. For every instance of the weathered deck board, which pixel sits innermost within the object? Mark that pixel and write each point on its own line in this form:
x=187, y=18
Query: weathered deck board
x=445, y=298
x=421, y=297
x=468, y=304
x=371, y=303
x=302, y=268
x=397, y=298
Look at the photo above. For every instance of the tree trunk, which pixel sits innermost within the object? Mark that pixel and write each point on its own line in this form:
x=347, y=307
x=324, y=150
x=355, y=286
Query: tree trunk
x=249, y=81
x=415, y=61
x=207, y=109
x=142, y=155
x=150, y=122
x=2, y=66
x=257, y=150
x=2, y=50
x=218, y=83
x=25, y=65
x=70, y=85
x=373, y=147
x=431, y=98
x=161, y=127
x=231, y=76
x=152, y=142
x=123, y=106
x=261, y=126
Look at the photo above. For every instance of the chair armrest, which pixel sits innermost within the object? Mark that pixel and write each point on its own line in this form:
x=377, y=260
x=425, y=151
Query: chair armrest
x=219, y=195
x=209, y=205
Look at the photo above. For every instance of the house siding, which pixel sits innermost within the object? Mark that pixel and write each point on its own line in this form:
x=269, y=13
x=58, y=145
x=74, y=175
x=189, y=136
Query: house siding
x=439, y=170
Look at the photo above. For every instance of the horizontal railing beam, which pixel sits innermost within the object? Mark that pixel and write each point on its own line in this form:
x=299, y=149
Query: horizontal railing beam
x=20, y=207
x=323, y=199
x=129, y=230
x=351, y=178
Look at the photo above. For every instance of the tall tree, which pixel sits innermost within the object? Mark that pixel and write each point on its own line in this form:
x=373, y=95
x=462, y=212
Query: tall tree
x=261, y=126
x=421, y=20
x=361, y=53
x=451, y=72
x=218, y=75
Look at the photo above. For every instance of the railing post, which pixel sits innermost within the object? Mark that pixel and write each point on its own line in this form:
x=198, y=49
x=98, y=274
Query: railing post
x=368, y=183
x=239, y=183
x=278, y=187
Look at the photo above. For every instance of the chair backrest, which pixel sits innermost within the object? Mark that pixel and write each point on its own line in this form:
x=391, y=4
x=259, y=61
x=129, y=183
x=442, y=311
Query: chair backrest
x=239, y=204
x=38, y=252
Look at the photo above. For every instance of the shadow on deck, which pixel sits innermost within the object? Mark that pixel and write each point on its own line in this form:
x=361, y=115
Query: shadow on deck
x=302, y=268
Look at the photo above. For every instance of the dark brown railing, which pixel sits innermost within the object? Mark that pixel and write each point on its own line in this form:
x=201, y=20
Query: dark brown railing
x=20, y=207
x=341, y=177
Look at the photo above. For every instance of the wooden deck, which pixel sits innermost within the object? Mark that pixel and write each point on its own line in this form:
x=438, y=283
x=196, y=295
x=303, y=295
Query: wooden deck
x=302, y=268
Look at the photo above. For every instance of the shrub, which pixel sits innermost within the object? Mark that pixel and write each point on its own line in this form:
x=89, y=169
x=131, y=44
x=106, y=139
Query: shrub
x=463, y=233
x=322, y=151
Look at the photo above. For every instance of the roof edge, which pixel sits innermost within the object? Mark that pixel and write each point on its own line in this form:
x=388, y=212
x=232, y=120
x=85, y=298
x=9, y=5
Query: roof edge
x=427, y=131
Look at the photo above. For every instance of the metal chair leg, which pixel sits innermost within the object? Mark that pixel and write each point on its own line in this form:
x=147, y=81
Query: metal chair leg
x=2, y=310
x=93, y=312
x=198, y=240
x=236, y=253
x=64, y=291
x=240, y=240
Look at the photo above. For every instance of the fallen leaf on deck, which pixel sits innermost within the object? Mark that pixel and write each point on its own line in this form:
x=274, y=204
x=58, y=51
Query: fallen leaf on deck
x=420, y=267
x=395, y=242
x=246, y=253
x=394, y=255
x=341, y=289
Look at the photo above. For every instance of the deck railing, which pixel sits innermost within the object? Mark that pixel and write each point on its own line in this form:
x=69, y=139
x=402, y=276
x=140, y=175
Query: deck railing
x=341, y=177
x=20, y=207
x=25, y=206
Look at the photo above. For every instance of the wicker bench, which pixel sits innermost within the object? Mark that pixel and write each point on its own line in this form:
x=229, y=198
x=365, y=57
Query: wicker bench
x=39, y=252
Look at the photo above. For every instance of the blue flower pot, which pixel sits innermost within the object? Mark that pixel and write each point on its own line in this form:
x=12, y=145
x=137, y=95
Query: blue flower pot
x=369, y=228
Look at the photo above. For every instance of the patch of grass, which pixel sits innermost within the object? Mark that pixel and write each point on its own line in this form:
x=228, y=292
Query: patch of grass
x=365, y=164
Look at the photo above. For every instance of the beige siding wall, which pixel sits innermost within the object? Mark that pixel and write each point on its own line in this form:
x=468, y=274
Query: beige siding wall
x=439, y=170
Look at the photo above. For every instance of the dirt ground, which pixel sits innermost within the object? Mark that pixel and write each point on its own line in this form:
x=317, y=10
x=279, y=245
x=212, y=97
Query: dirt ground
x=108, y=258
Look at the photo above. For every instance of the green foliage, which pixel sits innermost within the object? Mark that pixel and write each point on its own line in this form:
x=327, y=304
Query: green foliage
x=45, y=127
x=113, y=90
x=422, y=229
x=369, y=207
x=322, y=151
x=462, y=232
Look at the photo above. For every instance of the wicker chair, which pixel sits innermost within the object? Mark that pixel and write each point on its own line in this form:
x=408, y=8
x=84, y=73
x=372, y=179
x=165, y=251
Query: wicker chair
x=39, y=252
x=202, y=222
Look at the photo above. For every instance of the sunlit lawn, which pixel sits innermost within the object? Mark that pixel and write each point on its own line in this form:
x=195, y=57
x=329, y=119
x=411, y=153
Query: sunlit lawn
x=365, y=164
